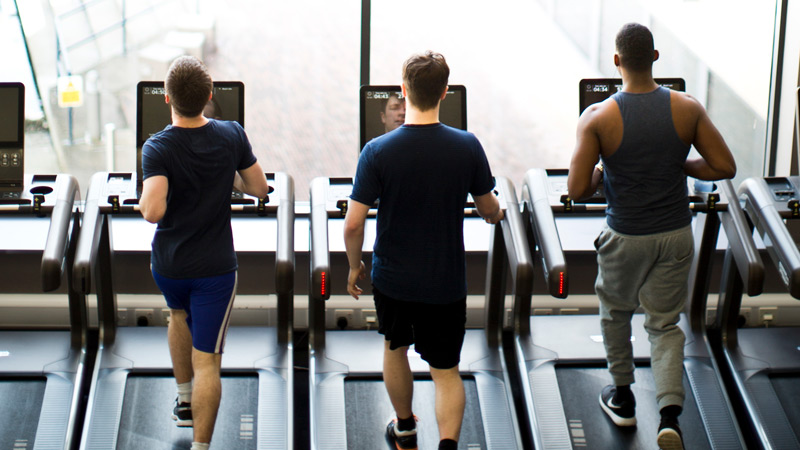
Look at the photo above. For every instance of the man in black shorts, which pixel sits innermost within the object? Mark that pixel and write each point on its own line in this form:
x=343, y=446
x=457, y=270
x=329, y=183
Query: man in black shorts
x=421, y=173
x=189, y=169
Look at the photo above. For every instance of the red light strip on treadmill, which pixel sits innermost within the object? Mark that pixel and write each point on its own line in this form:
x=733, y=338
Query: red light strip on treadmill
x=324, y=284
x=561, y=283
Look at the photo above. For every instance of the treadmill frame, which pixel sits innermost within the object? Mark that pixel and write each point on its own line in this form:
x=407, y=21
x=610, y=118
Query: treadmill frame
x=536, y=365
x=482, y=355
x=117, y=358
x=58, y=356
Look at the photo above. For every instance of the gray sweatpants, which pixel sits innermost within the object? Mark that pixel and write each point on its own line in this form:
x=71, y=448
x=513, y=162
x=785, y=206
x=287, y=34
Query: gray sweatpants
x=651, y=271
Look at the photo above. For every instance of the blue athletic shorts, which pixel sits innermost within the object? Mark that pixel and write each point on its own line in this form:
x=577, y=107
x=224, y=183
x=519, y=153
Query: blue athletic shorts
x=207, y=301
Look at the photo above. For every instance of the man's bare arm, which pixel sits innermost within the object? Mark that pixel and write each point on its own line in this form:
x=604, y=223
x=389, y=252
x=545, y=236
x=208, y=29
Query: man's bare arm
x=582, y=180
x=716, y=160
x=153, y=203
x=489, y=207
x=252, y=181
x=354, y=224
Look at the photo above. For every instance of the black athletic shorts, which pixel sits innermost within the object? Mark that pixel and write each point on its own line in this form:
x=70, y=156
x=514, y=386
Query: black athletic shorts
x=436, y=330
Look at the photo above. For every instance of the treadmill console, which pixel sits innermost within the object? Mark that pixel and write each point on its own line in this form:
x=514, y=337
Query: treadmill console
x=121, y=191
x=703, y=196
x=382, y=109
x=595, y=90
x=780, y=188
x=12, y=141
x=36, y=194
x=153, y=114
x=338, y=196
x=784, y=195
x=120, y=195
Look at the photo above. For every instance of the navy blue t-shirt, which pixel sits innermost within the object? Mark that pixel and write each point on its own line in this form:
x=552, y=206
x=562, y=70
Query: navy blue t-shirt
x=194, y=238
x=421, y=174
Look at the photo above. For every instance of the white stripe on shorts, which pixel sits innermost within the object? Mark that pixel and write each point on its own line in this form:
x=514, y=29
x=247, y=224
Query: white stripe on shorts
x=223, y=331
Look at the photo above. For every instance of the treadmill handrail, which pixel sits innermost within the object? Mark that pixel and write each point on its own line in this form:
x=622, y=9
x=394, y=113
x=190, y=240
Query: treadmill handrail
x=320, y=253
x=55, y=249
x=89, y=238
x=768, y=222
x=741, y=242
x=545, y=232
x=517, y=255
x=285, y=254
x=320, y=261
x=285, y=257
x=517, y=248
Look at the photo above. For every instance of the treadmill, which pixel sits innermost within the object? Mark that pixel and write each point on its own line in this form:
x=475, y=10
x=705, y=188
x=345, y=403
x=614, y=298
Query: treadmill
x=761, y=364
x=132, y=392
x=561, y=358
x=349, y=407
x=42, y=368
x=348, y=404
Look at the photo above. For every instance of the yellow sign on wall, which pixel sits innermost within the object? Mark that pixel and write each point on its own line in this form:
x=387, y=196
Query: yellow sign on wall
x=70, y=91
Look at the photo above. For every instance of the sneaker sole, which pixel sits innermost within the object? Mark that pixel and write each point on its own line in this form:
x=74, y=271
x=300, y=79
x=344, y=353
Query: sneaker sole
x=182, y=423
x=619, y=421
x=391, y=439
x=669, y=439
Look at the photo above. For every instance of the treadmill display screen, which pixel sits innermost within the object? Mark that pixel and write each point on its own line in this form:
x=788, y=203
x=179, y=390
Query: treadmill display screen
x=153, y=113
x=382, y=109
x=595, y=90
x=12, y=112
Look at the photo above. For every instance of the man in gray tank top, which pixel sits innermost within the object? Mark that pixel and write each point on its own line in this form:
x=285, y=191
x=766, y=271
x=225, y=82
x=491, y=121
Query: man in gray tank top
x=643, y=135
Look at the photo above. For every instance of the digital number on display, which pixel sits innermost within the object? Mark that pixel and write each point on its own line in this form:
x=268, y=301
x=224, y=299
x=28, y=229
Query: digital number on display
x=382, y=95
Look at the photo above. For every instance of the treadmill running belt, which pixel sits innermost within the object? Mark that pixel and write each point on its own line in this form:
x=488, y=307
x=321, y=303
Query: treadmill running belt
x=787, y=388
x=590, y=427
x=147, y=415
x=20, y=406
x=368, y=411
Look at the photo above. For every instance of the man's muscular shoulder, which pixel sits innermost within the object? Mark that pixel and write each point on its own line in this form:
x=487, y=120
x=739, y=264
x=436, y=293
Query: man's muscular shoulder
x=686, y=112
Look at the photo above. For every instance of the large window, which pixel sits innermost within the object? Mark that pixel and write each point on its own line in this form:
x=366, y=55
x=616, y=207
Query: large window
x=520, y=61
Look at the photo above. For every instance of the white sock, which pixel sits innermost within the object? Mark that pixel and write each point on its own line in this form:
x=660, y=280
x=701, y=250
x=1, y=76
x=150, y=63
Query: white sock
x=199, y=446
x=185, y=392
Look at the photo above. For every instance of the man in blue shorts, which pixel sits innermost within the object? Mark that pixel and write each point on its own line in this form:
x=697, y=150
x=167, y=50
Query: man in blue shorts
x=189, y=170
x=643, y=135
x=421, y=173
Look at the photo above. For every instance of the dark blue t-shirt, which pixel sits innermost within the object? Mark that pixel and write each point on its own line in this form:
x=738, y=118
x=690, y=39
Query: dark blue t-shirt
x=194, y=238
x=421, y=174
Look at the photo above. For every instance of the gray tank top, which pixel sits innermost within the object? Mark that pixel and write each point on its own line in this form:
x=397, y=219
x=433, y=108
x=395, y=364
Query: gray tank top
x=644, y=180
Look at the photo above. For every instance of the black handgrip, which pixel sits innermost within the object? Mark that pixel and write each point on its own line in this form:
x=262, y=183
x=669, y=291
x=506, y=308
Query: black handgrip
x=56, y=245
x=740, y=239
x=89, y=237
x=761, y=209
x=545, y=232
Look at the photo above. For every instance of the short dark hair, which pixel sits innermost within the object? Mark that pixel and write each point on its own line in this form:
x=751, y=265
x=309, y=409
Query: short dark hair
x=188, y=85
x=635, y=47
x=425, y=76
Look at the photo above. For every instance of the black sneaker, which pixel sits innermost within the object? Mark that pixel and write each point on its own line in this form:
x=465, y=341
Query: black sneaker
x=623, y=415
x=669, y=434
x=402, y=440
x=182, y=414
